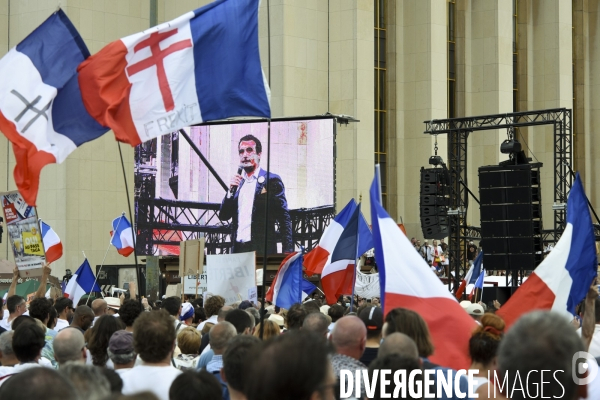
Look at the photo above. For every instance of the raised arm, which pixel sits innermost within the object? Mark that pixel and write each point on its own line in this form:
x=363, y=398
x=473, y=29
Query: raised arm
x=41, y=292
x=13, y=285
x=589, y=318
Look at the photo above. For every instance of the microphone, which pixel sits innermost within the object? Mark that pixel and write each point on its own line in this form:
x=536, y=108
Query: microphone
x=234, y=188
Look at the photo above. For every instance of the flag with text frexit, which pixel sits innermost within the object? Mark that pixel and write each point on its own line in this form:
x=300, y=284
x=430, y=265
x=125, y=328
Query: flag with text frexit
x=41, y=109
x=202, y=66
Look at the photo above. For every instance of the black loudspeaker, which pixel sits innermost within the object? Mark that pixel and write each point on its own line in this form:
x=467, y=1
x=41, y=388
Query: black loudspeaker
x=434, y=202
x=500, y=293
x=511, y=216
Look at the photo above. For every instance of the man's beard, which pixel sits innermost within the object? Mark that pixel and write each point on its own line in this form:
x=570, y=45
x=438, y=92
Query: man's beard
x=250, y=168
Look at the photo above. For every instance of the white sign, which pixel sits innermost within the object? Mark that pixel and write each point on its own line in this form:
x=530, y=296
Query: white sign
x=190, y=282
x=253, y=295
x=367, y=285
x=231, y=275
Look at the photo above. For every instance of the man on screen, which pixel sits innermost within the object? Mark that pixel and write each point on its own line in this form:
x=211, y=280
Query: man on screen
x=245, y=202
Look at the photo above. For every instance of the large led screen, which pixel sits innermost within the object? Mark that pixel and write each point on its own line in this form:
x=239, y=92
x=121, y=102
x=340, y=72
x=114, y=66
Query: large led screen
x=178, y=197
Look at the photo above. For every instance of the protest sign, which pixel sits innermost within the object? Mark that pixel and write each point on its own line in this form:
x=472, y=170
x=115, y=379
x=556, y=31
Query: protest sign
x=194, y=284
x=24, y=234
x=231, y=275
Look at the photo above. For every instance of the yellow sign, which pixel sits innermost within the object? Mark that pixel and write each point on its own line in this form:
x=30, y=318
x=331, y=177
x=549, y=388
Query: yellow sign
x=32, y=242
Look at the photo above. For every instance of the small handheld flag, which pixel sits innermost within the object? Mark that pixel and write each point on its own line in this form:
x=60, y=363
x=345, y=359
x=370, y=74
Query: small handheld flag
x=82, y=282
x=52, y=244
x=122, y=236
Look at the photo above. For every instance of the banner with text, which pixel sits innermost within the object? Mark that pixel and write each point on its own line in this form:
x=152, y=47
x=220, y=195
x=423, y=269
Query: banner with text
x=231, y=275
x=195, y=284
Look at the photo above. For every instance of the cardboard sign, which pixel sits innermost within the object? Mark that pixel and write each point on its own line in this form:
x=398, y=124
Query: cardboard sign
x=253, y=295
x=231, y=275
x=24, y=234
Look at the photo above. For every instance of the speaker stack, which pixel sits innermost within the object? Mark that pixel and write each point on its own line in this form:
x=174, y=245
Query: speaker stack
x=434, y=203
x=511, y=216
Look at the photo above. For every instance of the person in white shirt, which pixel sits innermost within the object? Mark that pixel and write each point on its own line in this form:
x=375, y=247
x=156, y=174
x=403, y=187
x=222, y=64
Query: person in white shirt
x=100, y=308
x=28, y=342
x=212, y=305
x=16, y=307
x=65, y=310
x=7, y=355
x=154, y=342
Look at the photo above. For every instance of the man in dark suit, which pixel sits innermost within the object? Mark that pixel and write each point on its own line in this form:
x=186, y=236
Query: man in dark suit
x=244, y=204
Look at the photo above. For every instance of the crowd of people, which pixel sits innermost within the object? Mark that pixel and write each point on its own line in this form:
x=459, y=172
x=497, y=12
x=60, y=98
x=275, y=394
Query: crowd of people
x=439, y=258
x=207, y=349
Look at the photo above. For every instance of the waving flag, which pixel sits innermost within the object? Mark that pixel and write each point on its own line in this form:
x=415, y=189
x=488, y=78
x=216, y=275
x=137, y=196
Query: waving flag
x=41, y=109
x=122, y=236
x=307, y=288
x=82, y=282
x=337, y=277
x=317, y=258
x=287, y=285
x=202, y=66
x=562, y=280
x=477, y=267
x=408, y=282
x=52, y=244
x=463, y=284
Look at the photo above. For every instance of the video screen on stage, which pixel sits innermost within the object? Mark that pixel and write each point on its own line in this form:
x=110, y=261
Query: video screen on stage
x=212, y=181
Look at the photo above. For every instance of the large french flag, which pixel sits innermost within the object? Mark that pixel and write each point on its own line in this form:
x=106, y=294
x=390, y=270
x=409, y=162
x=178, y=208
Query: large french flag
x=408, y=282
x=52, y=244
x=316, y=260
x=122, y=236
x=83, y=281
x=287, y=285
x=562, y=280
x=202, y=66
x=41, y=108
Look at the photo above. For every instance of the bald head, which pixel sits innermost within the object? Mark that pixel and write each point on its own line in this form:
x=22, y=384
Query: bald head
x=398, y=343
x=219, y=335
x=349, y=336
x=69, y=346
x=99, y=307
x=83, y=317
x=223, y=313
x=317, y=323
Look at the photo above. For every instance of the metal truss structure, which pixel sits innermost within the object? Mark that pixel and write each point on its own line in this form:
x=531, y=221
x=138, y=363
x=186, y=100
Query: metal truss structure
x=167, y=222
x=458, y=130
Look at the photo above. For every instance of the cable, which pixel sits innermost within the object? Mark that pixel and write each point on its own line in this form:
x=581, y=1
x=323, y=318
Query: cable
x=526, y=145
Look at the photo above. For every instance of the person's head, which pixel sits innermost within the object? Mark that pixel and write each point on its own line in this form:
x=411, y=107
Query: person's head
x=199, y=315
x=349, y=336
x=293, y=366
x=103, y=329
x=393, y=363
x=16, y=305
x=271, y=329
x=372, y=317
x=154, y=336
x=83, y=317
x=418, y=243
x=434, y=243
x=114, y=380
x=187, y=313
x=53, y=317
x=28, y=342
x=99, y=307
x=213, y=304
x=375, y=301
x=129, y=311
x=7, y=355
x=398, y=343
x=485, y=340
x=236, y=361
x=336, y=312
x=39, y=308
x=38, y=383
x=219, y=335
x=475, y=310
x=189, y=340
x=317, y=323
x=222, y=313
x=21, y=320
x=542, y=340
x=250, y=150
x=64, y=308
x=241, y=320
x=196, y=385
x=245, y=304
x=69, y=346
x=89, y=381
x=311, y=307
x=295, y=316
x=253, y=312
x=412, y=324
x=172, y=305
x=120, y=349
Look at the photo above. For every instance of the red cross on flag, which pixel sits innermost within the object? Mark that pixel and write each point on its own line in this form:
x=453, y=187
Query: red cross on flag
x=202, y=66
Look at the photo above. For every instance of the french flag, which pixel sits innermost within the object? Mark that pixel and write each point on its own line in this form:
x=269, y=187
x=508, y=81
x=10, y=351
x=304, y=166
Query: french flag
x=122, y=236
x=41, y=108
x=52, y=244
x=202, y=66
x=82, y=282
x=337, y=278
x=287, y=285
x=320, y=256
x=562, y=280
x=307, y=288
x=408, y=282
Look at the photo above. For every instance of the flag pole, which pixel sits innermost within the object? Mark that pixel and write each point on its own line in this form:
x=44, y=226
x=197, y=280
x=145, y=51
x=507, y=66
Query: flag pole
x=355, y=258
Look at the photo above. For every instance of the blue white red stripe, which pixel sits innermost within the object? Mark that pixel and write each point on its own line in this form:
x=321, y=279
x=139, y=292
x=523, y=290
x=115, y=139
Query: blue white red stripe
x=408, y=282
x=82, y=282
x=287, y=285
x=122, y=236
x=52, y=244
x=562, y=280
x=41, y=109
x=202, y=66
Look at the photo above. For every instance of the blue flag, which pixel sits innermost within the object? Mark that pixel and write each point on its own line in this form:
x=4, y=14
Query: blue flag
x=476, y=268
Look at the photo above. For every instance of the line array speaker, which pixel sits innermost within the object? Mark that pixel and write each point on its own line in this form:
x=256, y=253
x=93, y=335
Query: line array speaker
x=434, y=203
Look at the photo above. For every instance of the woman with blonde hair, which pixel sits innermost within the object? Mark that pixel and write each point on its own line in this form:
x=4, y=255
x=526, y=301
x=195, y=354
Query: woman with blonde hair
x=188, y=341
x=271, y=329
x=483, y=346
